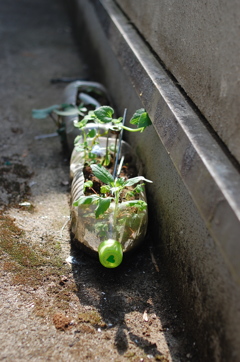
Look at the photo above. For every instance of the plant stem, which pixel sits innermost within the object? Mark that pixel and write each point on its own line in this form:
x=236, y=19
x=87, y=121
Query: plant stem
x=106, y=153
x=115, y=150
x=116, y=201
x=133, y=129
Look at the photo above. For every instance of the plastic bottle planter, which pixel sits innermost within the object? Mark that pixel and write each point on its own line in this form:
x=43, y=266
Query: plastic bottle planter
x=80, y=91
x=113, y=233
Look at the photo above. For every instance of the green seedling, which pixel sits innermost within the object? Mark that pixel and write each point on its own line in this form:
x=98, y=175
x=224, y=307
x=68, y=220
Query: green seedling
x=112, y=187
x=82, y=143
x=136, y=191
x=104, y=115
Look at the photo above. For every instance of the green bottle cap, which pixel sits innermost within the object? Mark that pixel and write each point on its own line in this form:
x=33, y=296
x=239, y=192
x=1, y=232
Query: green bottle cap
x=110, y=253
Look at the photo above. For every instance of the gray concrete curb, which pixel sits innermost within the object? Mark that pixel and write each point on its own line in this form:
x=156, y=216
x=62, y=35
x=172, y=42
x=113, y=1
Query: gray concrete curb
x=205, y=168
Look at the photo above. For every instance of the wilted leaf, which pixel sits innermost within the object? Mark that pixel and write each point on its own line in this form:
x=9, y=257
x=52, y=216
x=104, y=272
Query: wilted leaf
x=43, y=113
x=134, y=180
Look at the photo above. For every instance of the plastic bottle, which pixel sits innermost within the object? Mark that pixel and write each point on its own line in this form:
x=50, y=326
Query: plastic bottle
x=114, y=233
x=102, y=236
x=76, y=91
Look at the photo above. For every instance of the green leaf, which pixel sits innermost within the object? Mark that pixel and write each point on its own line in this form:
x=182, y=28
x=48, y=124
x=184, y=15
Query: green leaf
x=86, y=200
x=77, y=139
x=120, y=182
x=105, y=189
x=81, y=124
x=92, y=156
x=115, y=189
x=43, y=113
x=90, y=116
x=134, y=180
x=102, y=174
x=104, y=114
x=86, y=184
x=92, y=133
x=117, y=120
x=138, y=189
x=144, y=120
x=141, y=118
x=103, y=205
x=142, y=205
x=79, y=148
x=101, y=229
x=107, y=160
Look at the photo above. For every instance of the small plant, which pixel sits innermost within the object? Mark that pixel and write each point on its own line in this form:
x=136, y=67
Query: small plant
x=111, y=187
x=106, y=185
x=104, y=116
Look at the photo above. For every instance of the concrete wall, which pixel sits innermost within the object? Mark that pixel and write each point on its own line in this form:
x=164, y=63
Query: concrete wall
x=199, y=261
x=198, y=41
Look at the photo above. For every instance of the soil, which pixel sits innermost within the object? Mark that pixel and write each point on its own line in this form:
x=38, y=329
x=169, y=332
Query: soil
x=56, y=302
x=128, y=171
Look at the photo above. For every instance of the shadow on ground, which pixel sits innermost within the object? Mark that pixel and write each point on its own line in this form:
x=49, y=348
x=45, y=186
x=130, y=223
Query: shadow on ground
x=132, y=294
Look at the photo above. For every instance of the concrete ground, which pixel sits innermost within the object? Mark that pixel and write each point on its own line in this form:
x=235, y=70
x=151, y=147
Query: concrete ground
x=52, y=307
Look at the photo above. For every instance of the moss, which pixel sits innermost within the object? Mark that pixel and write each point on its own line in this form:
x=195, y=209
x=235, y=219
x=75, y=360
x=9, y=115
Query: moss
x=92, y=317
x=30, y=277
x=86, y=328
x=11, y=266
x=25, y=261
x=129, y=354
x=33, y=267
x=160, y=357
x=11, y=242
x=61, y=321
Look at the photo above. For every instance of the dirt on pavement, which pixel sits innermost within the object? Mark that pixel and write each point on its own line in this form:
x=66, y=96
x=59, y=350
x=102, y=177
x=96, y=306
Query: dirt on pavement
x=56, y=302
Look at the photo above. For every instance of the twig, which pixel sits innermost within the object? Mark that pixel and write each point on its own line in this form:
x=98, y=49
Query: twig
x=65, y=224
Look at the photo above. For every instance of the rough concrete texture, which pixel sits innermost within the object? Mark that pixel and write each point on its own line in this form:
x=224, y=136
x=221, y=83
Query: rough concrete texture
x=198, y=41
x=51, y=309
x=194, y=261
